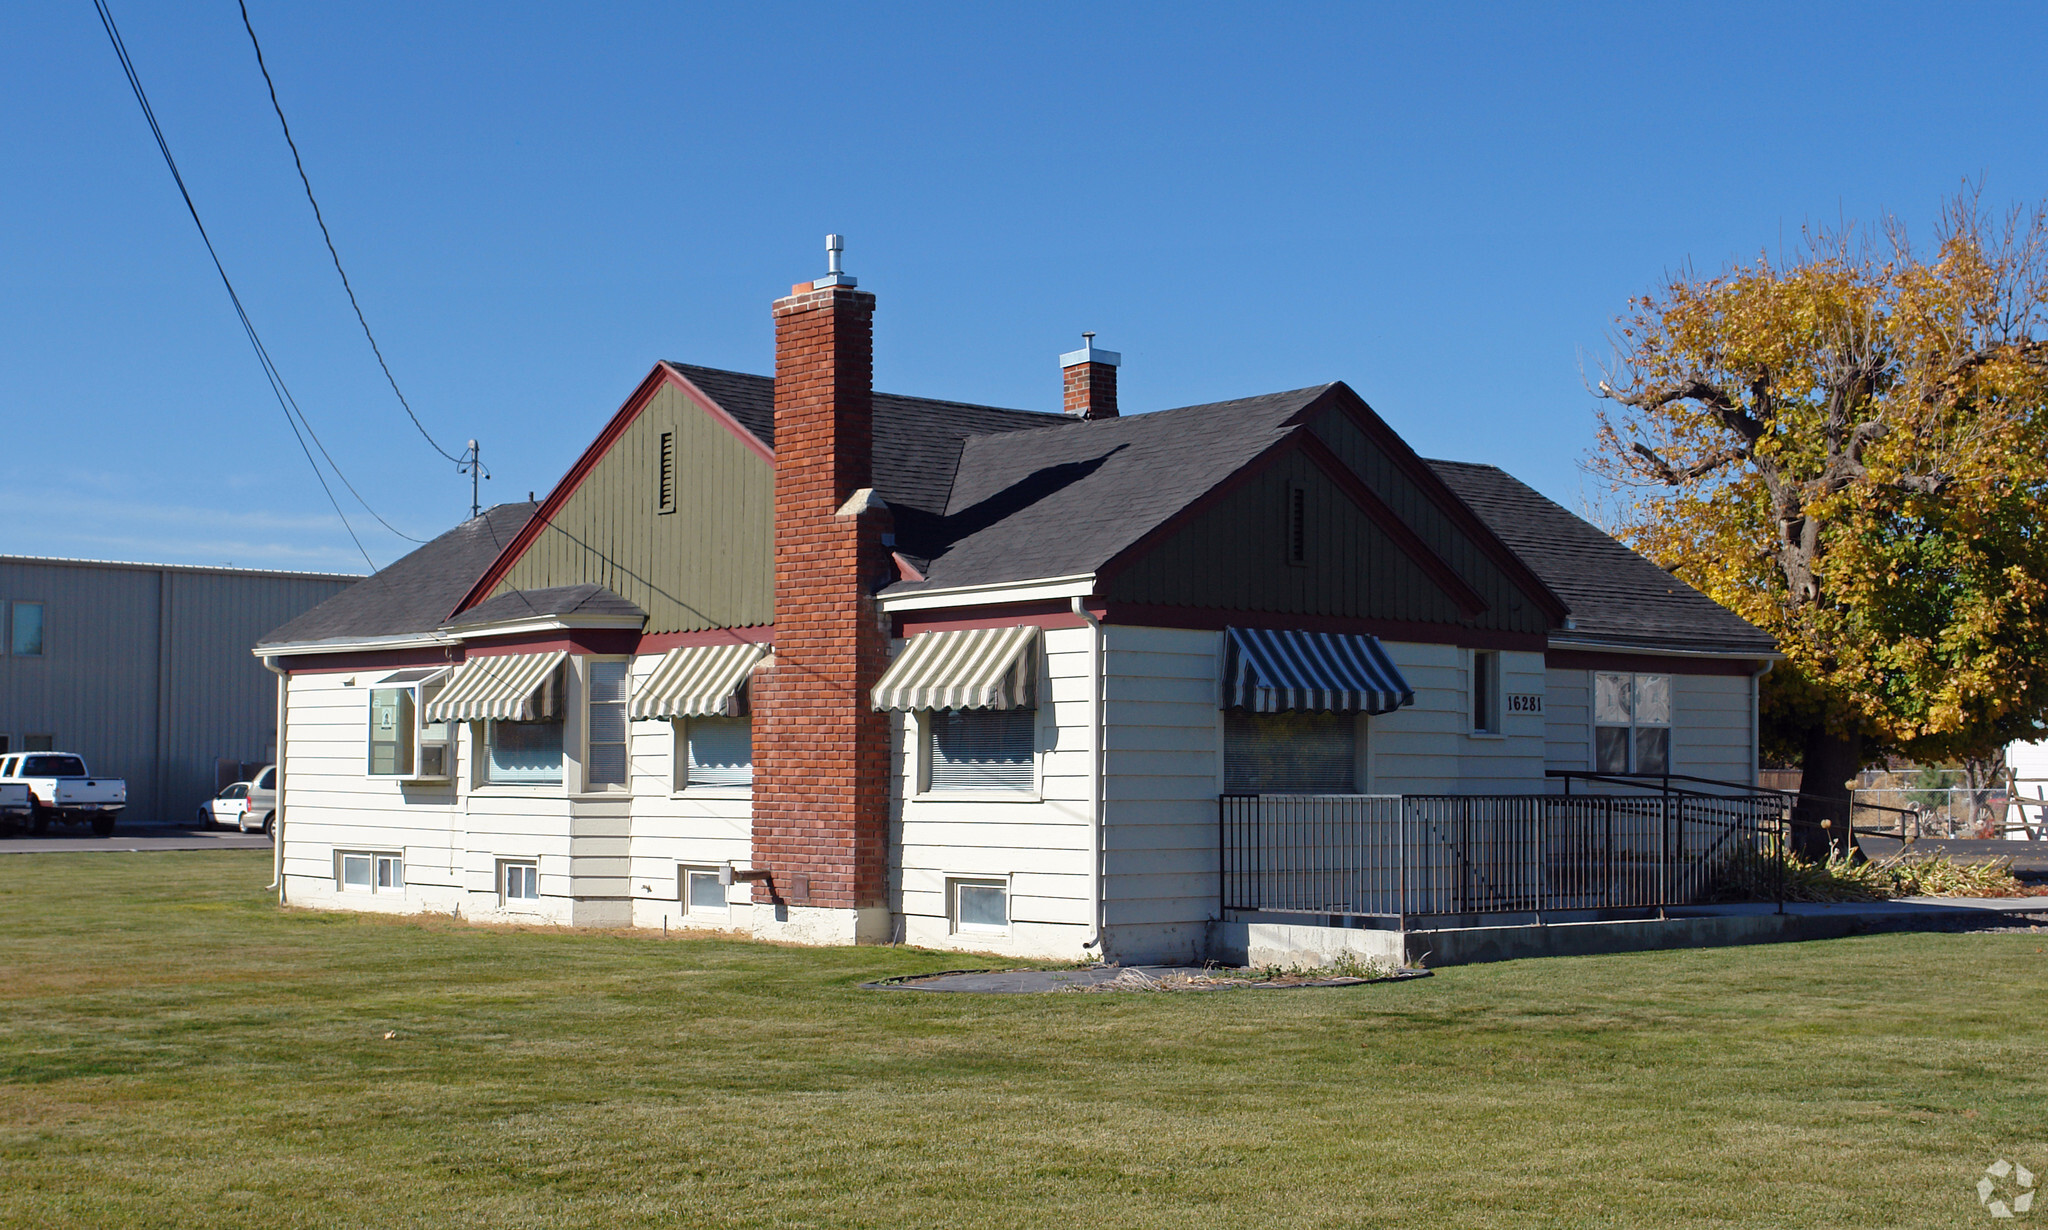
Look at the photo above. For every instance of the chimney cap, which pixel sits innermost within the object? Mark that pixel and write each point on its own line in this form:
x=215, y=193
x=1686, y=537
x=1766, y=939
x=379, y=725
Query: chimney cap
x=1089, y=354
x=834, y=275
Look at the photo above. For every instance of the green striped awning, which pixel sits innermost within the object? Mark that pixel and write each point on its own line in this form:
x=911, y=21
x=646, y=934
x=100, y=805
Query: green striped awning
x=981, y=668
x=511, y=687
x=702, y=681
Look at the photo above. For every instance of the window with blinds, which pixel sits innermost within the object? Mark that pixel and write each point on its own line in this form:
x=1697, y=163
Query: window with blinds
x=607, y=730
x=1289, y=753
x=981, y=749
x=717, y=752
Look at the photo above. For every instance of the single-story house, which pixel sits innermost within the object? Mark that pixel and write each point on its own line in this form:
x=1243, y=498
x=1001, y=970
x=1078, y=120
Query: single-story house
x=793, y=658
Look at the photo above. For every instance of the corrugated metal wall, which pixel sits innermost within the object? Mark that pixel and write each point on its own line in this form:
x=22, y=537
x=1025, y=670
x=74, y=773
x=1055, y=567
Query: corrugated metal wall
x=146, y=671
x=709, y=564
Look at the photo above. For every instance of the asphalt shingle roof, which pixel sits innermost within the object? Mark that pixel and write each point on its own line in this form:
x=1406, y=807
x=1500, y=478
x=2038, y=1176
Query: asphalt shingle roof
x=555, y=600
x=415, y=592
x=1616, y=596
x=1067, y=501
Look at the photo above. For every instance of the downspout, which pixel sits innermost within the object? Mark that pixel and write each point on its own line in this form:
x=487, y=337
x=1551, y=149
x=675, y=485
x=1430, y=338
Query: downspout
x=1756, y=729
x=1096, y=653
x=277, y=783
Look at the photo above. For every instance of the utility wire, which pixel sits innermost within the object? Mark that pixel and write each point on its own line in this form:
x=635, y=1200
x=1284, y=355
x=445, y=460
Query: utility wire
x=317, y=217
x=294, y=417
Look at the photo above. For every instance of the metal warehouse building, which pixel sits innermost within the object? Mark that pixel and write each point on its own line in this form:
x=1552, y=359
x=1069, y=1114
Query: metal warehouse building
x=144, y=669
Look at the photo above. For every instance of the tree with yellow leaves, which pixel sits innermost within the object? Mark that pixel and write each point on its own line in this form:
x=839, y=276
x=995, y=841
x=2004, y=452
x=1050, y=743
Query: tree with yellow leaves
x=1850, y=449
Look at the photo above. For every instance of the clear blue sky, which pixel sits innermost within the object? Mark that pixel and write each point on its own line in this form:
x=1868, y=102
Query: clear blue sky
x=1444, y=207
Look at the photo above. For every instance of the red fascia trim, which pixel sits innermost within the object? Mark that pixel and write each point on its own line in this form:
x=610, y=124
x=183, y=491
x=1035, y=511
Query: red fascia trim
x=1470, y=604
x=1368, y=421
x=1010, y=615
x=575, y=640
x=1147, y=616
x=1649, y=663
x=662, y=642
x=620, y=421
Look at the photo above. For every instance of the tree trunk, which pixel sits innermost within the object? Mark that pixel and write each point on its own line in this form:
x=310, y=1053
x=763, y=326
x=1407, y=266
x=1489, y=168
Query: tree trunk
x=1820, y=823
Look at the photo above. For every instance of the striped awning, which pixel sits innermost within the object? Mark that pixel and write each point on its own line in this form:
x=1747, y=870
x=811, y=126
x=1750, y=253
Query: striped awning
x=1269, y=671
x=983, y=668
x=512, y=687
x=703, y=681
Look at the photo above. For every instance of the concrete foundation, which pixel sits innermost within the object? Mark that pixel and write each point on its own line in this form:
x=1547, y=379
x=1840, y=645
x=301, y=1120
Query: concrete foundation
x=1263, y=941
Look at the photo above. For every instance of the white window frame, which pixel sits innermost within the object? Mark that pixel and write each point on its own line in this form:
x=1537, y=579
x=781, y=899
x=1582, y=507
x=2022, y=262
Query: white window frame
x=1594, y=724
x=1018, y=794
x=679, y=763
x=425, y=735
x=684, y=872
x=505, y=868
x=1483, y=671
x=376, y=865
x=954, y=921
x=624, y=703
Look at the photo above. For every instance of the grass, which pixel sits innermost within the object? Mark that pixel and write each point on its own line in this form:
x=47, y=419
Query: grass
x=177, y=1051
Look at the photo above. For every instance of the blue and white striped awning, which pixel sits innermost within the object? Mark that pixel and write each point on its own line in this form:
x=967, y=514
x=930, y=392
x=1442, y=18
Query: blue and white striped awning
x=1269, y=671
x=979, y=668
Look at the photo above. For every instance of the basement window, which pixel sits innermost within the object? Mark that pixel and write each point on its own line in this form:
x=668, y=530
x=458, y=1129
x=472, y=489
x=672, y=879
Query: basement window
x=366, y=871
x=981, y=749
x=701, y=891
x=518, y=881
x=665, y=483
x=1631, y=723
x=979, y=906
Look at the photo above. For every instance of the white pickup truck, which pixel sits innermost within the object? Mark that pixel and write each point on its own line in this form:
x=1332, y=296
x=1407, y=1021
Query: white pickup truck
x=14, y=805
x=60, y=789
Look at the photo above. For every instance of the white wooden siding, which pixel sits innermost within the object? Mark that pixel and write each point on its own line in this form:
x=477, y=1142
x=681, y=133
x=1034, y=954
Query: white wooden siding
x=1568, y=719
x=1039, y=842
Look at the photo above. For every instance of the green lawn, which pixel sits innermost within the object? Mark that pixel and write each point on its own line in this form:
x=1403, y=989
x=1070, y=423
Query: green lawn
x=177, y=1051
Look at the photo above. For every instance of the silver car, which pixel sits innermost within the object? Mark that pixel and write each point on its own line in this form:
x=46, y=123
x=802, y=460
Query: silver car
x=259, y=811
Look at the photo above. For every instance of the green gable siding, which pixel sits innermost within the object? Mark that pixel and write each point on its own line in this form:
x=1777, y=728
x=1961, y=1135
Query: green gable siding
x=708, y=564
x=1509, y=608
x=1234, y=556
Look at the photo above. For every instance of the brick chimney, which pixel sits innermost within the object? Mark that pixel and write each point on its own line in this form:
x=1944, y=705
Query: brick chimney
x=821, y=753
x=1091, y=380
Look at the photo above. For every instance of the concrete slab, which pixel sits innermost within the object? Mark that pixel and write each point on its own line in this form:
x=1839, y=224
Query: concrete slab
x=1269, y=943
x=125, y=840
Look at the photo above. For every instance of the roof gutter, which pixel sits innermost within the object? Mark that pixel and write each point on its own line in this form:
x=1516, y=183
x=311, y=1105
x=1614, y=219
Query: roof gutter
x=1078, y=586
x=1770, y=655
x=359, y=644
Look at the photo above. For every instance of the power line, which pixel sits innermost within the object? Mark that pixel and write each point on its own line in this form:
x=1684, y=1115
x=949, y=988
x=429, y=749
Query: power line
x=294, y=417
x=317, y=217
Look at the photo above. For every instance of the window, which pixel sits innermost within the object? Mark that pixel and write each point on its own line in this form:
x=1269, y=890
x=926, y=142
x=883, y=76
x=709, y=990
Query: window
x=1289, y=753
x=51, y=766
x=28, y=630
x=981, y=749
x=402, y=743
x=38, y=743
x=1297, y=524
x=1485, y=692
x=980, y=905
x=523, y=753
x=606, y=740
x=701, y=891
x=518, y=881
x=363, y=871
x=4, y=748
x=1631, y=723
x=666, y=482
x=715, y=752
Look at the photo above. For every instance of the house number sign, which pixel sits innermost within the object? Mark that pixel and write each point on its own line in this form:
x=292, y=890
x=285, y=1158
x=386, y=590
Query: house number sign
x=1525, y=702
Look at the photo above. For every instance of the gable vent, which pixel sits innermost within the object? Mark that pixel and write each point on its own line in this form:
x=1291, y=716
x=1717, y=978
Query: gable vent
x=666, y=486
x=1297, y=524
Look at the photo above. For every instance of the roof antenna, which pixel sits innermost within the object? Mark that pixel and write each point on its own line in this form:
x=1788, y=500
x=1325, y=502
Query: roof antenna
x=834, y=275
x=474, y=467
